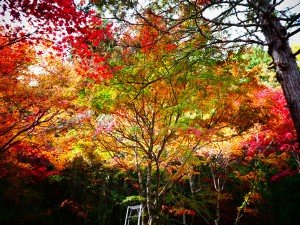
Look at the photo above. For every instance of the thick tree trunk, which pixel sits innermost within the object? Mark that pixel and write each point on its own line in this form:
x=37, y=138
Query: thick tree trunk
x=287, y=71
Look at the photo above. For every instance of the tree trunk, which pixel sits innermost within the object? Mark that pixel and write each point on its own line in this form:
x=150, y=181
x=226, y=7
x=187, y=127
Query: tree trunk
x=218, y=216
x=152, y=217
x=285, y=63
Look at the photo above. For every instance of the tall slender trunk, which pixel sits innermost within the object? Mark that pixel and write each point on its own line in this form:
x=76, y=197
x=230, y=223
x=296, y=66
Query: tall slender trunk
x=149, y=199
x=218, y=215
x=153, y=204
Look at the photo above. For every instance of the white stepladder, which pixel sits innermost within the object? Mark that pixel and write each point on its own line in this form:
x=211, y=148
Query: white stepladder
x=133, y=212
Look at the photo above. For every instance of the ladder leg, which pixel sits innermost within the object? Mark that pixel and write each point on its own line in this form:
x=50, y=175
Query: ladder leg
x=126, y=219
x=139, y=215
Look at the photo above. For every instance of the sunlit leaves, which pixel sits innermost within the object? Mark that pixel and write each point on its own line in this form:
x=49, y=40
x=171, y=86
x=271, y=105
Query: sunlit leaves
x=36, y=95
x=64, y=28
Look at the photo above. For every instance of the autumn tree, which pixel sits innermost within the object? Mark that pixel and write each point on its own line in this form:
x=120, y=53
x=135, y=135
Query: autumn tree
x=157, y=113
x=36, y=95
x=270, y=156
x=39, y=112
x=63, y=26
x=18, y=115
x=231, y=24
x=36, y=98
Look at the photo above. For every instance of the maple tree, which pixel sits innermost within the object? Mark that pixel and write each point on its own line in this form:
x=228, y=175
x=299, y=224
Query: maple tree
x=266, y=159
x=38, y=105
x=270, y=152
x=159, y=113
x=36, y=97
x=18, y=115
x=274, y=142
x=64, y=27
x=228, y=24
x=193, y=131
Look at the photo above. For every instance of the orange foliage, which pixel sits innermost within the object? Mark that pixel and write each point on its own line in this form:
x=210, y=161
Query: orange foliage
x=36, y=97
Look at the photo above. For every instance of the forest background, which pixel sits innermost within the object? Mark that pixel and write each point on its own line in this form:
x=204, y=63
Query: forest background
x=107, y=104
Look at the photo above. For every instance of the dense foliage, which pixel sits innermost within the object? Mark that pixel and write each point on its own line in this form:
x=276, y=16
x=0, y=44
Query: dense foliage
x=93, y=120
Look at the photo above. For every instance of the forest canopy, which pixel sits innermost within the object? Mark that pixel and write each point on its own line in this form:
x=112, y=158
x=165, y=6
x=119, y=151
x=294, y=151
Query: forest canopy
x=188, y=108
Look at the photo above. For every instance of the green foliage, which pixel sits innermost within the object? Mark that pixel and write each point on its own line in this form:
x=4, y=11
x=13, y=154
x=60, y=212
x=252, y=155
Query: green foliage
x=259, y=58
x=55, y=178
x=133, y=200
